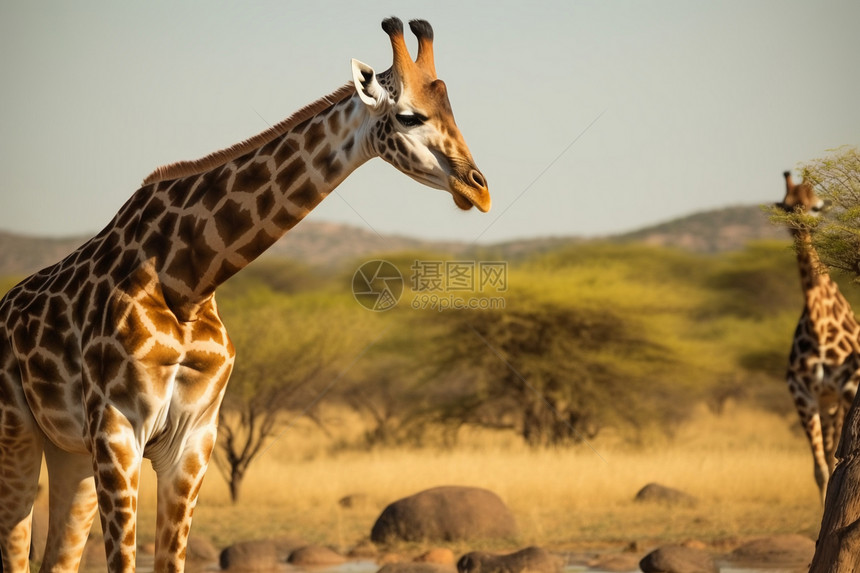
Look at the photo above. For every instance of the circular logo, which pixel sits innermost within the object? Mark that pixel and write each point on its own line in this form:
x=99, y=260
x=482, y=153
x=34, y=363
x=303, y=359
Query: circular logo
x=377, y=285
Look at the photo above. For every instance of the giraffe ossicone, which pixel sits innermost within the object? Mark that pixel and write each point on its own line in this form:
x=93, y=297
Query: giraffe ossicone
x=117, y=352
x=824, y=363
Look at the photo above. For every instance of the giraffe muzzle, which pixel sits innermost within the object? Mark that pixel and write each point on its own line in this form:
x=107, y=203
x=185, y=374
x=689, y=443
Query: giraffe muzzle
x=470, y=191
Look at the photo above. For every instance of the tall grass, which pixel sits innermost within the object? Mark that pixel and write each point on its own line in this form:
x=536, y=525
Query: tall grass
x=749, y=469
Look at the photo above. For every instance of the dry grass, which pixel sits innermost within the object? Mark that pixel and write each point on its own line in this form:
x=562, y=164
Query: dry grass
x=750, y=470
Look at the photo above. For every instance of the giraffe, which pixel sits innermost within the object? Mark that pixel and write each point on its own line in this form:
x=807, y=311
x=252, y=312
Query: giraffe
x=823, y=365
x=117, y=353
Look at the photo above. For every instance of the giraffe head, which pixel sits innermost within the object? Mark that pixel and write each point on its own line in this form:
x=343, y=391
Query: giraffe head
x=801, y=197
x=411, y=123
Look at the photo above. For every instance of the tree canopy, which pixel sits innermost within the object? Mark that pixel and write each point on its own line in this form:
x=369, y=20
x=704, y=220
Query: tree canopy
x=836, y=178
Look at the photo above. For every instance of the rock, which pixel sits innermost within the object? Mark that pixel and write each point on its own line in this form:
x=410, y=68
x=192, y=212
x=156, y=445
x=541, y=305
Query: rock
x=354, y=501
x=315, y=555
x=390, y=558
x=286, y=544
x=413, y=567
x=201, y=549
x=365, y=549
x=622, y=562
x=654, y=492
x=530, y=559
x=146, y=549
x=775, y=551
x=440, y=555
x=198, y=549
x=257, y=555
x=694, y=544
x=678, y=559
x=445, y=514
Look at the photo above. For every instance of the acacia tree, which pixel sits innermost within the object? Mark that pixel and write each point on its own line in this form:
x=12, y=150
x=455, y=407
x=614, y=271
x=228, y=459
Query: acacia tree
x=552, y=374
x=284, y=356
x=386, y=388
x=384, y=391
x=836, y=179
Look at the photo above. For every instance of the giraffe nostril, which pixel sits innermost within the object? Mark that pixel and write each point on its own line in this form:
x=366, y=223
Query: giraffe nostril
x=477, y=179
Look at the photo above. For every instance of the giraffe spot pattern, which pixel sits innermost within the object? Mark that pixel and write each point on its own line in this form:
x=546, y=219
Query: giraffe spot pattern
x=326, y=163
x=134, y=296
x=232, y=221
x=288, y=148
x=288, y=176
x=314, y=135
x=257, y=244
x=253, y=177
x=265, y=203
x=306, y=196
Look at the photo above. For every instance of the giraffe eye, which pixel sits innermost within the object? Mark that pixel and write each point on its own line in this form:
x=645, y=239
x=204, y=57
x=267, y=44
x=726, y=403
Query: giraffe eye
x=410, y=119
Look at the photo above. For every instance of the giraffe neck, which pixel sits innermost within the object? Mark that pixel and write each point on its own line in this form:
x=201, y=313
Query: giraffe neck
x=201, y=229
x=814, y=278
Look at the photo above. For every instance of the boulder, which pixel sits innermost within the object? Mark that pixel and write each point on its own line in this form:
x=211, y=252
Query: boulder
x=390, y=558
x=415, y=567
x=775, y=551
x=286, y=544
x=200, y=549
x=354, y=501
x=654, y=492
x=257, y=555
x=441, y=555
x=695, y=544
x=364, y=549
x=619, y=562
x=530, y=559
x=678, y=559
x=445, y=514
x=146, y=549
x=315, y=555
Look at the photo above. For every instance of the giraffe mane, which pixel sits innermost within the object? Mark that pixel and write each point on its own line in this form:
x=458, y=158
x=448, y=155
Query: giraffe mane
x=198, y=166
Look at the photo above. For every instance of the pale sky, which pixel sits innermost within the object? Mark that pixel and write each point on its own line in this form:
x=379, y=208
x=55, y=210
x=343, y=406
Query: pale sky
x=691, y=105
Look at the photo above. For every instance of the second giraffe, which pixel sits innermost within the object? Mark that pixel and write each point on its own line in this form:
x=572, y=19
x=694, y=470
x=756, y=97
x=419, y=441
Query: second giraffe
x=822, y=370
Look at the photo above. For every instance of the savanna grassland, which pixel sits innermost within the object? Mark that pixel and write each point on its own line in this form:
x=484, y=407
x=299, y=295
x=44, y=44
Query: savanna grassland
x=605, y=368
x=750, y=472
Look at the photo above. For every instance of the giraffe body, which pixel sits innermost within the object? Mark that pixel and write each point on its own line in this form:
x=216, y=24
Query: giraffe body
x=117, y=352
x=823, y=365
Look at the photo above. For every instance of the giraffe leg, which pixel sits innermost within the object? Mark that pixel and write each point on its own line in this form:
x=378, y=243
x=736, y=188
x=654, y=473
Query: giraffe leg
x=832, y=416
x=812, y=425
x=810, y=419
x=72, y=508
x=20, y=464
x=178, y=487
x=117, y=460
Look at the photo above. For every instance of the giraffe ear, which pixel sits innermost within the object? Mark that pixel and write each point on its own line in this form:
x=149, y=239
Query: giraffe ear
x=369, y=89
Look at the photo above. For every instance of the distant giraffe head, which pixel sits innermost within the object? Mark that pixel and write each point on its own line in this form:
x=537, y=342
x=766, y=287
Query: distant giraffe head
x=411, y=123
x=800, y=197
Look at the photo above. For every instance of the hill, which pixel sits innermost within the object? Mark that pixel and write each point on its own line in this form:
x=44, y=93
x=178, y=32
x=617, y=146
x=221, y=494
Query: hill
x=21, y=255
x=320, y=244
x=715, y=231
x=324, y=244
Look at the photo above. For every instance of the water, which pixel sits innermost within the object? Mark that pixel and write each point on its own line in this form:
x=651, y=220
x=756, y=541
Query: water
x=145, y=565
